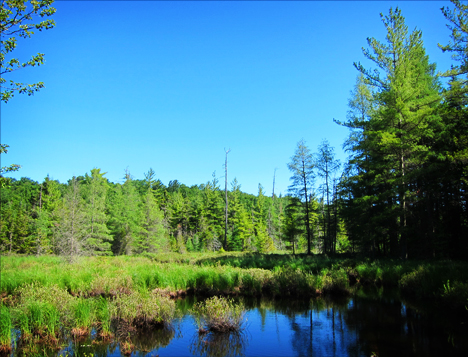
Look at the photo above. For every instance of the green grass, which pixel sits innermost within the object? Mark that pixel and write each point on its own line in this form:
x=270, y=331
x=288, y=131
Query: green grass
x=5, y=328
x=46, y=294
x=143, y=309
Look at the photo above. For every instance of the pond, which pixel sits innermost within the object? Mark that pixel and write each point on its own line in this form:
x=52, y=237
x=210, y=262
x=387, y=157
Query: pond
x=371, y=322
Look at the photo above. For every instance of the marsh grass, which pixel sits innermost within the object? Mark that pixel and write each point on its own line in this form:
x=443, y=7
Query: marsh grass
x=5, y=330
x=103, y=317
x=228, y=273
x=83, y=318
x=446, y=281
x=335, y=282
x=143, y=309
x=218, y=314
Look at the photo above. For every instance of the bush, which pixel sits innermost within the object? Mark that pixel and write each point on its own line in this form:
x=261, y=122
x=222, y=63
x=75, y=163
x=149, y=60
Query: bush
x=335, y=281
x=218, y=314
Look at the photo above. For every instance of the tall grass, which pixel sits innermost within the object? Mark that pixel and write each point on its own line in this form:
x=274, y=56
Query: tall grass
x=227, y=273
x=103, y=317
x=83, y=319
x=143, y=309
x=5, y=329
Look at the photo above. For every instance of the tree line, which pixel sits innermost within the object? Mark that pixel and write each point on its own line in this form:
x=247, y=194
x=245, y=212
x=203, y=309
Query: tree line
x=402, y=192
x=89, y=215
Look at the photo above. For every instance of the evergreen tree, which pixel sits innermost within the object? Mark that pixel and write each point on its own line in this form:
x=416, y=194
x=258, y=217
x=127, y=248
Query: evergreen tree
x=327, y=165
x=458, y=25
x=302, y=166
x=407, y=93
x=153, y=236
x=264, y=243
x=95, y=192
x=71, y=231
x=125, y=217
x=293, y=223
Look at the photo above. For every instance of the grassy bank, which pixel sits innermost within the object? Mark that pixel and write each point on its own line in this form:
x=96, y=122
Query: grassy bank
x=48, y=299
x=232, y=273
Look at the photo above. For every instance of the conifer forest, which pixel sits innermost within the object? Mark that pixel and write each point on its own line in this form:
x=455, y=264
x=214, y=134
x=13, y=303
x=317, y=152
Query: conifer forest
x=402, y=193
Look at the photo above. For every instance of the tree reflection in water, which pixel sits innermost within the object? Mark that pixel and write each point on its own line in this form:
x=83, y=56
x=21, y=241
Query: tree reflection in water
x=153, y=339
x=219, y=344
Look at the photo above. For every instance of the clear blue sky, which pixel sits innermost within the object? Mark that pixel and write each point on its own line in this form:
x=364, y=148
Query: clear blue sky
x=170, y=85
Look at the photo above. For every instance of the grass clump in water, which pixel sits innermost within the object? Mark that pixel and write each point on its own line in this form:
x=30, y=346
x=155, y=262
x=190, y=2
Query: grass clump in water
x=40, y=311
x=103, y=317
x=83, y=317
x=218, y=314
x=141, y=309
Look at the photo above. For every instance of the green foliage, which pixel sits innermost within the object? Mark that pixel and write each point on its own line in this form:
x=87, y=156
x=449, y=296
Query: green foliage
x=95, y=189
x=444, y=280
x=4, y=181
x=335, y=281
x=218, y=314
x=20, y=18
x=458, y=25
x=82, y=313
x=293, y=223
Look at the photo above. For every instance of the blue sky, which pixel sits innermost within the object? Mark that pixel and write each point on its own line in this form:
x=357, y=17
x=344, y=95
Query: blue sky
x=171, y=85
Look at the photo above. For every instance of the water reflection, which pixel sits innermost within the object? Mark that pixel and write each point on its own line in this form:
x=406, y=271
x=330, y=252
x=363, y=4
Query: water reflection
x=219, y=344
x=152, y=339
x=372, y=321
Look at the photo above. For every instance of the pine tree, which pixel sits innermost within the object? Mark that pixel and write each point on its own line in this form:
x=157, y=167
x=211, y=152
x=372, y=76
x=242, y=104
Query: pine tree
x=95, y=192
x=293, y=223
x=153, y=236
x=264, y=242
x=407, y=94
x=302, y=167
x=327, y=165
x=71, y=233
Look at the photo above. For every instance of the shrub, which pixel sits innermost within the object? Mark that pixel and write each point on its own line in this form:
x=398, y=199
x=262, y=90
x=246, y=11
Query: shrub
x=218, y=314
x=335, y=281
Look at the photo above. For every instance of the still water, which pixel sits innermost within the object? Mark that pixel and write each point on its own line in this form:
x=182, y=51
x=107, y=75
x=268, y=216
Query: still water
x=371, y=322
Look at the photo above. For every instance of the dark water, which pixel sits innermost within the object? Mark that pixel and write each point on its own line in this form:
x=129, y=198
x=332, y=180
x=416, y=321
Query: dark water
x=372, y=322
